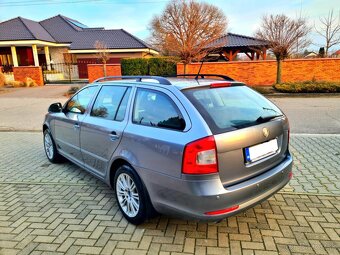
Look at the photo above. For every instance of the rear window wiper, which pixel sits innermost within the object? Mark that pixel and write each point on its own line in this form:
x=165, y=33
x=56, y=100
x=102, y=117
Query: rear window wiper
x=266, y=118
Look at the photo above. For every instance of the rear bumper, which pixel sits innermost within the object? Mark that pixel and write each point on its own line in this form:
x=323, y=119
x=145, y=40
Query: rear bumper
x=193, y=198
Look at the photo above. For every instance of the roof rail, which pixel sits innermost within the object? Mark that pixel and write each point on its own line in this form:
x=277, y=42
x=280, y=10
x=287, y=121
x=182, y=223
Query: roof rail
x=138, y=78
x=202, y=76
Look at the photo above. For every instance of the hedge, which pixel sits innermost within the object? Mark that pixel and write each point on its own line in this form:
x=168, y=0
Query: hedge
x=149, y=66
x=309, y=87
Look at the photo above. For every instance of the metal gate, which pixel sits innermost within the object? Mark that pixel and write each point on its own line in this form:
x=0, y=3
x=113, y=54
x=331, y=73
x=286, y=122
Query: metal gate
x=73, y=72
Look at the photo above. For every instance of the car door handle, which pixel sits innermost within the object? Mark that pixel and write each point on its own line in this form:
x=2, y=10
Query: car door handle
x=76, y=125
x=114, y=136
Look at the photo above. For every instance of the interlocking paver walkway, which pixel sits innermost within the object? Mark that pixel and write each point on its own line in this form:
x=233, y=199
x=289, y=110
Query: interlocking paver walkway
x=58, y=209
x=316, y=163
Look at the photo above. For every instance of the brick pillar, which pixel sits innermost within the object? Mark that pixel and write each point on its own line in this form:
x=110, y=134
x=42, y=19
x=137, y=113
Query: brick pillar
x=21, y=73
x=95, y=71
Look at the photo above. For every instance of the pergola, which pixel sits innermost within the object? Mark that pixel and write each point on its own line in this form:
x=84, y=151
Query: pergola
x=231, y=44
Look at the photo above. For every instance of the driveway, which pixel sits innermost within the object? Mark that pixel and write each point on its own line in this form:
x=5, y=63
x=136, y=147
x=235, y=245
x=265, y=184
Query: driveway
x=59, y=208
x=24, y=108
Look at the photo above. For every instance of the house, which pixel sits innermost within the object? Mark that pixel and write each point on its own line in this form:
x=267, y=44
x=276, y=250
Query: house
x=336, y=54
x=60, y=40
x=311, y=54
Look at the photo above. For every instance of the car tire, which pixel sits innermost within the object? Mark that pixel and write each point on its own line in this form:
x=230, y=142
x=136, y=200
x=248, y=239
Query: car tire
x=50, y=148
x=131, y=195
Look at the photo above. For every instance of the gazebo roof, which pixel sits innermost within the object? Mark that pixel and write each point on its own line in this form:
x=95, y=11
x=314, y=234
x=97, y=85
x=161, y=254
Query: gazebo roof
x=231, y=40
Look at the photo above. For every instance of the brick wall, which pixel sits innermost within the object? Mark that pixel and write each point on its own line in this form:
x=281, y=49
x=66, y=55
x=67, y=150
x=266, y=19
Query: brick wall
x=264, y=72
x=95, y=71
x=34, y=72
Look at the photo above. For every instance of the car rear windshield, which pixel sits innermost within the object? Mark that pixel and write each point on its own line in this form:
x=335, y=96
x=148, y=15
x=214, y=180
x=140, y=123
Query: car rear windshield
x=230, y=108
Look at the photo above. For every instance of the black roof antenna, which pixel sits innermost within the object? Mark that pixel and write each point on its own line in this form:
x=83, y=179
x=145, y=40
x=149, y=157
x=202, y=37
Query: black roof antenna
x=199, y=70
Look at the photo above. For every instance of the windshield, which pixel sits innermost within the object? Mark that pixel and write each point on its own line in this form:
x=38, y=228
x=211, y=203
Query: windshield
x=230, y=108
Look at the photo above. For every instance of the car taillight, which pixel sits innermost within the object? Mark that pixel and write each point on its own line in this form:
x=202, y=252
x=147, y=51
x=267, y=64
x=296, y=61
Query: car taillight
x=200, y=157
x=220, y=84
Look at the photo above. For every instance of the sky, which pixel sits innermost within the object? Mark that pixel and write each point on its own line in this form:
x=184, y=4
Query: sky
x=244, y=16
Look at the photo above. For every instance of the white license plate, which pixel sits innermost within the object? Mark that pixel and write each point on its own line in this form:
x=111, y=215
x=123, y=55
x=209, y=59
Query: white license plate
x=260, y=151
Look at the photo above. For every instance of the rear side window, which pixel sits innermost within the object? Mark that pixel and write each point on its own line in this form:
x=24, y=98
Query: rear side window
x=109, y=103
x=156, y=109
x=231, y=108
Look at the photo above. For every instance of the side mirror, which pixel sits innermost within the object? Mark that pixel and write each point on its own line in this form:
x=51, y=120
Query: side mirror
x=54, y=108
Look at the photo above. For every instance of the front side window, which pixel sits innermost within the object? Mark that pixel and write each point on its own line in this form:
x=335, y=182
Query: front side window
x=156, y=109
x=108, y=101
x=81, y=100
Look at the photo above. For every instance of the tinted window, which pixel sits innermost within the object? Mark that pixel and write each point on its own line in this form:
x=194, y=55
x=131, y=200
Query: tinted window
x=81, y=100
x=231, y=108
x=156, y=109
x=108, y=101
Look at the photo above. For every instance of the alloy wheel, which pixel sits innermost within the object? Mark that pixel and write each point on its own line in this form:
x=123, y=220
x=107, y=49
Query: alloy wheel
x=48, y=146
x=127, y=195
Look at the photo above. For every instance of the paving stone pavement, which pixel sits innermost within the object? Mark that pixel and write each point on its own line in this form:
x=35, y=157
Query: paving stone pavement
x=58, y=209
x=316, y=163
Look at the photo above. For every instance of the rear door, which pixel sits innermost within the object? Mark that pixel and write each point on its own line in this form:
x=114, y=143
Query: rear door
x=251, y=133
x=102, y=129
x=157, y=132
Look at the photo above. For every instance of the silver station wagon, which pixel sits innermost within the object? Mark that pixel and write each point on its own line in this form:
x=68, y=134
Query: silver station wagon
x=203, y=147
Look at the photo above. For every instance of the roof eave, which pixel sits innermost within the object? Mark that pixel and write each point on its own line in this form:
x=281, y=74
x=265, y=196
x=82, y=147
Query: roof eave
x=23, y=42
x=120, y=50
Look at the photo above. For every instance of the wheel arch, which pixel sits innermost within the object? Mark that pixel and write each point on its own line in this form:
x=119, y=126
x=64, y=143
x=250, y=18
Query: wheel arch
x=114, y=167
x=45, y=127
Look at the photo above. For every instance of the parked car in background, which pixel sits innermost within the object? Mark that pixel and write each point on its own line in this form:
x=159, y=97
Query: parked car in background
x=203, y=148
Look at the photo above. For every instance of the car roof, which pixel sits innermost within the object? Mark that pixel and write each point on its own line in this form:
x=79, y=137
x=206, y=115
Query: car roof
x=179, y=83
x=186, y=83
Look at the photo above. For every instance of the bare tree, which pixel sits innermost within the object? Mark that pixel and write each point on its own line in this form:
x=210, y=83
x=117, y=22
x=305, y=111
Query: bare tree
x=102, y=53
x=329, y=30
x=283, y=33
x=188, y=29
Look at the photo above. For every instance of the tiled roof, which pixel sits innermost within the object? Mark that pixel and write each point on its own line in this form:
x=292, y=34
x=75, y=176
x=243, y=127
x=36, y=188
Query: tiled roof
x=38, y=31
x=114, y=39
x=62, y=29
x=84, y=38
x=235, y=40
x=23, y=29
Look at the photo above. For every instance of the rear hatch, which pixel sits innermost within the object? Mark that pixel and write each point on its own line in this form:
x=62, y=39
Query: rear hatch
x=250, y=132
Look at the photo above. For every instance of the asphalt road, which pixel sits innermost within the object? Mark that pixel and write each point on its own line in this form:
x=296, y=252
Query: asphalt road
x=312, y=115
x=24, y=110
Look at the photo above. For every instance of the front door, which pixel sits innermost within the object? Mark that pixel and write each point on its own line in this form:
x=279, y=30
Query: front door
x=102, y=128
x=67, y=126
